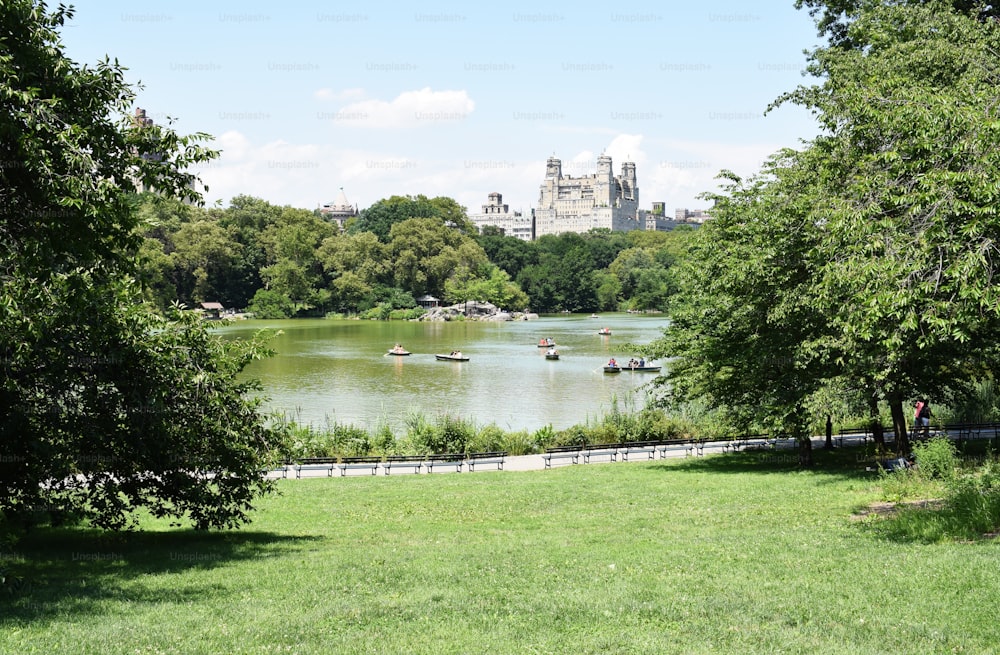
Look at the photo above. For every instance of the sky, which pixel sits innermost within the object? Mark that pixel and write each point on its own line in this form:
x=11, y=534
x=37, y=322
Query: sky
x=460, y=99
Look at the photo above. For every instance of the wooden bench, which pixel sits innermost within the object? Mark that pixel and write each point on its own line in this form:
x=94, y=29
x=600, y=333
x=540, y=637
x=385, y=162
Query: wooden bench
x=315, y=464
x=609, y=450
x=489, y=458
x=452, y=459
x=561, y=452
x=413, y=461
x=347, y=463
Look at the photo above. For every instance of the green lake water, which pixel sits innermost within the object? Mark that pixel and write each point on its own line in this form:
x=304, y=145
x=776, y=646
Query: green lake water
x=336, y=371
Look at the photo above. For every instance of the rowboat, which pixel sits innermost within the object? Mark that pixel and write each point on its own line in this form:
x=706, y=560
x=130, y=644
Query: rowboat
x=633, y=369
x=552, y=354
x=454, y=357
x=398, y=351
x=548, y=342
x=604, y=331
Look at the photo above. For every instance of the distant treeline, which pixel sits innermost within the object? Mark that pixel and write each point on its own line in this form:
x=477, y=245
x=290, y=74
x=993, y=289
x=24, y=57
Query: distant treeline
x=281, y=262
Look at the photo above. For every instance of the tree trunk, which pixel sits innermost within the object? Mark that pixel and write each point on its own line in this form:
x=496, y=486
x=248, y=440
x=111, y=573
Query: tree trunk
x=805, y=452
x=875, y=421
x=899, y=424
x=829, y=433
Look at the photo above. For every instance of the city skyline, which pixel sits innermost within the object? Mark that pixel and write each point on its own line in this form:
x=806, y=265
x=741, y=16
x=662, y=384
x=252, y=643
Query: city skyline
x=462, y=101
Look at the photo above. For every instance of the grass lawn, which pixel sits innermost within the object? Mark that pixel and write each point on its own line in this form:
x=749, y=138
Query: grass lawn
x=721, y=554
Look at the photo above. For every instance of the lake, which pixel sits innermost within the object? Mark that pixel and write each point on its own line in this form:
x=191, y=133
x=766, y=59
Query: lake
x=337, y=371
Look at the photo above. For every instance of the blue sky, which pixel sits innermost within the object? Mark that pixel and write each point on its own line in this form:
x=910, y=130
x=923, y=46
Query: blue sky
x=459, y=99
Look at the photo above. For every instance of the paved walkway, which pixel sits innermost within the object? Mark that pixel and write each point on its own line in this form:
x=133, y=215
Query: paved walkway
x=534, y=462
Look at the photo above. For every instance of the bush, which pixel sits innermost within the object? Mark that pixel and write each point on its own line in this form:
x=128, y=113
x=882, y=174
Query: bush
x=936, y=458
x=488, y=439
x=577, y=435
x=974, y=501
x=271, y=304
x=521, y=442
x=448, y=435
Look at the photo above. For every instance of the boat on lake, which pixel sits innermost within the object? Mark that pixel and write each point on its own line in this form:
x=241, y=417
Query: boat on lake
x=455, y=356
x=398, y=350
x=633, y=369
x=552, y=353
x=547, y=342
x=604, y=330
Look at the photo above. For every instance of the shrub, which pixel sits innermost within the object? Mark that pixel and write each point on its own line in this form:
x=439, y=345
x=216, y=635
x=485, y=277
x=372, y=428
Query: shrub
x=488, y=439
x=936, y=458
x=544, y=437
x=448, y=435
x=577, y=435
x=520, y=442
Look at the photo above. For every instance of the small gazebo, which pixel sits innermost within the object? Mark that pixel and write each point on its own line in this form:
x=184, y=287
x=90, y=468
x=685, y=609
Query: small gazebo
x=427, y=301
x=212, y=309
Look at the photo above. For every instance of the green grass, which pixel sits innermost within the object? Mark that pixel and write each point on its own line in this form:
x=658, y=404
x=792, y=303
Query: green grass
x=722, y=554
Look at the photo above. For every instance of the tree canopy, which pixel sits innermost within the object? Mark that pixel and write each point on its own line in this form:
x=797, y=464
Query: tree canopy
x=108, y=407
x=875, y=244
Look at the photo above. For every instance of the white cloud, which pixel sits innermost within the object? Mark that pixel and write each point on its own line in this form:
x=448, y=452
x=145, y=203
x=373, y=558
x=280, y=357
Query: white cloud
x=422, y=108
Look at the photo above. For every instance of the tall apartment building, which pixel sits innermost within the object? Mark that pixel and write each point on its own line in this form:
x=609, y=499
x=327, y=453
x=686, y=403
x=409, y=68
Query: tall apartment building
x=579, y=204
x=497, y=214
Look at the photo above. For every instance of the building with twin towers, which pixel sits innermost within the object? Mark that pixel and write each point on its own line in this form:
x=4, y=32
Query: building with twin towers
x=578, y=204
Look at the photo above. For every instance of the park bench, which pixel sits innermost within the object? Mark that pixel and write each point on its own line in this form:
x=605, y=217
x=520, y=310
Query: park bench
x=561, y=452
x=630, y=448
x=669, y=445
x=445, y=459
x=280, y=468
x=750, y=442
x=782, y=442
x=488, y=458
x=315, y=464
x=348, y=463
x=404, y=461
x=609, y=450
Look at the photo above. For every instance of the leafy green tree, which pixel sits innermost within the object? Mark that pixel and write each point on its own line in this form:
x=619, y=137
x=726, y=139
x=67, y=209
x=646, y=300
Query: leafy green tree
x=910, y=150
x=509, y=253
x=204, y=256
x=268, y=303
x=745, y=313
x=294, y=268
x=833, y=17
x=108, y=408
x=361, y=255
x=426, y=252
x=609, y=290
x=866, y=259
x=384, y=214
x=487, y=284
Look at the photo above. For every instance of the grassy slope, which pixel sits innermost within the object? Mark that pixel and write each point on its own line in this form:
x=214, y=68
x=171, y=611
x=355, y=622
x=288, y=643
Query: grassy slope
x=716, y=554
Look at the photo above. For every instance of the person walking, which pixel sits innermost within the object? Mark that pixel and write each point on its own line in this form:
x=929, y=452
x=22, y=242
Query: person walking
x=923, y=417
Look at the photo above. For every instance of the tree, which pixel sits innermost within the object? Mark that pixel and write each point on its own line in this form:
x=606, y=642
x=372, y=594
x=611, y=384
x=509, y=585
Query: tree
x=744, y=316
x=911, y=163
x=427, y=252
x=509, y=253
x=204, y=255
x=384, y=214
x=108, y=408
x=866, y=260
x=833, y=17
x=488, y=283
